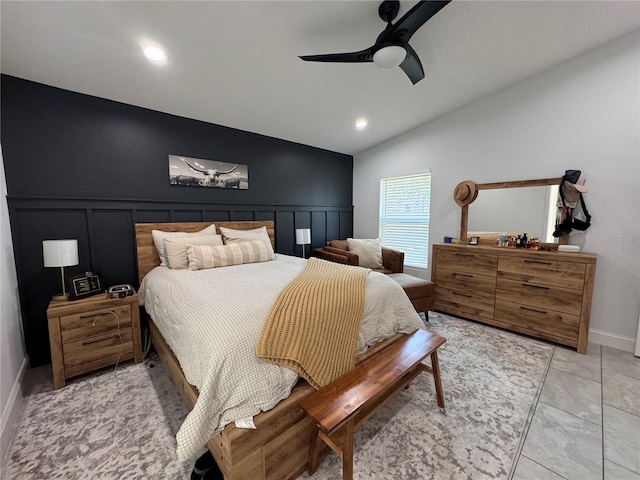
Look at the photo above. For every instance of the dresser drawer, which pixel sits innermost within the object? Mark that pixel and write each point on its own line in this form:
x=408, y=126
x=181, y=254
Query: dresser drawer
x=549, y=322
x=461, y=301
x=98, y=348
x=469, y=282
x=544, y=297
x=468, y=262
x=542, y=272
x=97, y=322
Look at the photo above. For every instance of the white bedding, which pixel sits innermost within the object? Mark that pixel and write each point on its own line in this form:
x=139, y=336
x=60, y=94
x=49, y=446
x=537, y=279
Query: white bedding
x=212, y=319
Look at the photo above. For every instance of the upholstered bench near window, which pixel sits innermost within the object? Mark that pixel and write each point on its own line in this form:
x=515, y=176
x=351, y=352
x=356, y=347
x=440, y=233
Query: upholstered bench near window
x=422, y=293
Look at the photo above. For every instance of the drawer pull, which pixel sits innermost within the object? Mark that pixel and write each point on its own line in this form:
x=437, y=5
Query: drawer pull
x=97, y=315
x=535, y=286
x=537, y=261
x=463, y=294
x=464, y=254
x=533, y=309
x=462, y=275
x=84, y=344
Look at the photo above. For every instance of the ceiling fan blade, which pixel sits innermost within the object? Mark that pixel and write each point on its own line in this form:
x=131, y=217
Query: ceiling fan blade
x=415, y=18
x=350, y=57
x=412, y=65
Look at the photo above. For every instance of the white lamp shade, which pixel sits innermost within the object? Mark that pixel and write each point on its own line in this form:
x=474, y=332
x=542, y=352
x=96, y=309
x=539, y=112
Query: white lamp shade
x=60, y=253
x=389, y=57
x=303, y=236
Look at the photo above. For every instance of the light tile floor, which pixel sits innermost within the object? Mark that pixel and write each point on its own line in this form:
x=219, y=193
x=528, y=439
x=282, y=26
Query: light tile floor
x=586, y=423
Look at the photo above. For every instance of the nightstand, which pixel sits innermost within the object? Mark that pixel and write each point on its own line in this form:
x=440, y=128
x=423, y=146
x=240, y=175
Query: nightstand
x=92, y=333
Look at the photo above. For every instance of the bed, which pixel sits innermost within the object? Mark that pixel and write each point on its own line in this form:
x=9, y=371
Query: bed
x=279, y=446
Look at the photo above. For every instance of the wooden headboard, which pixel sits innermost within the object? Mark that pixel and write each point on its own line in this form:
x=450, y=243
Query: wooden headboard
x=147, y=256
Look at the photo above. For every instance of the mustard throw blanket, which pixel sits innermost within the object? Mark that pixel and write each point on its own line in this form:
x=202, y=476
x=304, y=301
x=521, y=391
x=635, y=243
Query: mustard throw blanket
x=313, y=326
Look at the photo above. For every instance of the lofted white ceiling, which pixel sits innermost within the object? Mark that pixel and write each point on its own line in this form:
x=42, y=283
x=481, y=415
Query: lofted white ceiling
x=235, y=63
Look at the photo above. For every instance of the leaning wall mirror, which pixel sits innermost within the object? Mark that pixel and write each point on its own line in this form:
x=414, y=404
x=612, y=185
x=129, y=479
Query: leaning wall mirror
x=525, y=206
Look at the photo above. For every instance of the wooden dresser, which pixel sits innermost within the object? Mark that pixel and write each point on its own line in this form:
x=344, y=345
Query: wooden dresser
x=539, y=293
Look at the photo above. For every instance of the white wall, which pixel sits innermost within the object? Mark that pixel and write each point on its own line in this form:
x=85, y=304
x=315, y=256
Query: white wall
x=13, y=361
x=582, y=114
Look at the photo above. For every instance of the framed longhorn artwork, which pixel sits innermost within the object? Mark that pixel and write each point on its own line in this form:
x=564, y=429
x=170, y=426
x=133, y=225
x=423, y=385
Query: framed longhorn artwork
x=196, y=172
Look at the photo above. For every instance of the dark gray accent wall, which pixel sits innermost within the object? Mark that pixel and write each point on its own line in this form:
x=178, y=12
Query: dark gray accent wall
x=83, y=167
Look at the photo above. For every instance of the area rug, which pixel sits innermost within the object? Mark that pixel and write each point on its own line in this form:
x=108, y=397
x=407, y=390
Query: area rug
x=104, y=425
x=491, y=381
x=122, y=425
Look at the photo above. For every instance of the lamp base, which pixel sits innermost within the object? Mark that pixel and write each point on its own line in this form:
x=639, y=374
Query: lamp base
x=60, y=297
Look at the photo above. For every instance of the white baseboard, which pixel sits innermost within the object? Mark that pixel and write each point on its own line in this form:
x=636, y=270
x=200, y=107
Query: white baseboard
x=11, y=416
x=612, y=340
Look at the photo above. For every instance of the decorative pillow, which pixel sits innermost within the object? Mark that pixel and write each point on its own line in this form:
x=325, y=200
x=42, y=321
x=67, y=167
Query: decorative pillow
x=369, y=251
x=159, y=236
x=231, y=235
x=175, y=249
x=205, y=256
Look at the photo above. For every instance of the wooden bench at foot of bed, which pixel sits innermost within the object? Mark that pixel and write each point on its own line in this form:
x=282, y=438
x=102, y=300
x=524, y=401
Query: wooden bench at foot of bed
x=278, y=449
x=340, y=407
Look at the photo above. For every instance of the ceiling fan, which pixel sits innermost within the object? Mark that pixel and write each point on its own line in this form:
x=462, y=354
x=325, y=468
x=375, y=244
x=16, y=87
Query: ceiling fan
x=392, y=48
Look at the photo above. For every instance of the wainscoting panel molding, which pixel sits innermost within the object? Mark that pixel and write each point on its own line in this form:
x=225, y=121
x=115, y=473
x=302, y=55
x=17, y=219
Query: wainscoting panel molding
x=105, y=233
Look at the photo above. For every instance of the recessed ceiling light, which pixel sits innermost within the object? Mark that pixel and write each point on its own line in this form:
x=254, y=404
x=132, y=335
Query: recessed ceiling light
x=155, y=54
x=360, y=124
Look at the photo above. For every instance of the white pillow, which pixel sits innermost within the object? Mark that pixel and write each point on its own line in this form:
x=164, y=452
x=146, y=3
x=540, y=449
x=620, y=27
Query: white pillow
x=205, y=256
x=231, y=235
x=369, y=251
x=159, y=236
x=175, y=249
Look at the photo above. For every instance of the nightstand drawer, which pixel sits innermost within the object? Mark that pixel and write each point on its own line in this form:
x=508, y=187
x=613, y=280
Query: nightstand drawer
x=91, y=324
x=96, y=348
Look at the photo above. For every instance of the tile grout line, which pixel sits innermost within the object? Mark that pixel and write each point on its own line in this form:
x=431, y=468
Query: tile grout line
x=529, y=420
x=571, y=414
x=621, y=374
x=544, y=466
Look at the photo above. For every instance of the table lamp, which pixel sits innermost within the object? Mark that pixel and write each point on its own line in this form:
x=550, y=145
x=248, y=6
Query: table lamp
x=303, y=237
x=60, y=253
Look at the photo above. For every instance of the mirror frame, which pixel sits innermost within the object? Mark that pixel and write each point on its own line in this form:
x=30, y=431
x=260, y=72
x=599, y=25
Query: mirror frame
x=541, y=182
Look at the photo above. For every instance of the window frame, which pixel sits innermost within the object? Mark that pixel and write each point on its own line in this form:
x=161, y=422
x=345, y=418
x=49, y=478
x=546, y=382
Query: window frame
x=421, y=220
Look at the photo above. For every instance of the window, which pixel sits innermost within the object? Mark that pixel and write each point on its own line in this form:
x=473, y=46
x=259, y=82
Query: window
x=404, y=216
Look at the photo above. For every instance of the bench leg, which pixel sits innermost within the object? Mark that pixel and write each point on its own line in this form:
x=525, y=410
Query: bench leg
x=314, y=454
x=347, y=451
x=436, y=377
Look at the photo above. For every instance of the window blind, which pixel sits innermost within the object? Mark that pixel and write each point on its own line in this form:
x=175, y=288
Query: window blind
x=404, y=216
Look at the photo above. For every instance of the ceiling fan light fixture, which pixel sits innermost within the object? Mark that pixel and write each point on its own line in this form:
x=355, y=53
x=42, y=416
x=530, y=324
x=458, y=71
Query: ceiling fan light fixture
x=389, y=57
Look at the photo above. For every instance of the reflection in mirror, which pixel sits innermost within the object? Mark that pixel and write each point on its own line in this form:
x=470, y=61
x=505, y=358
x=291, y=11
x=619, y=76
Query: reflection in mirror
x=530, y=210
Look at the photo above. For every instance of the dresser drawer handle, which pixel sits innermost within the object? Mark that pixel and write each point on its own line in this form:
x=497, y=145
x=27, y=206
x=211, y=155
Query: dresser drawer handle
x=533, y=310
x=464, y=254
x=463, y=294
x=537, y=261
x=84, y=344
x=462, y=275
x=535, y=286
